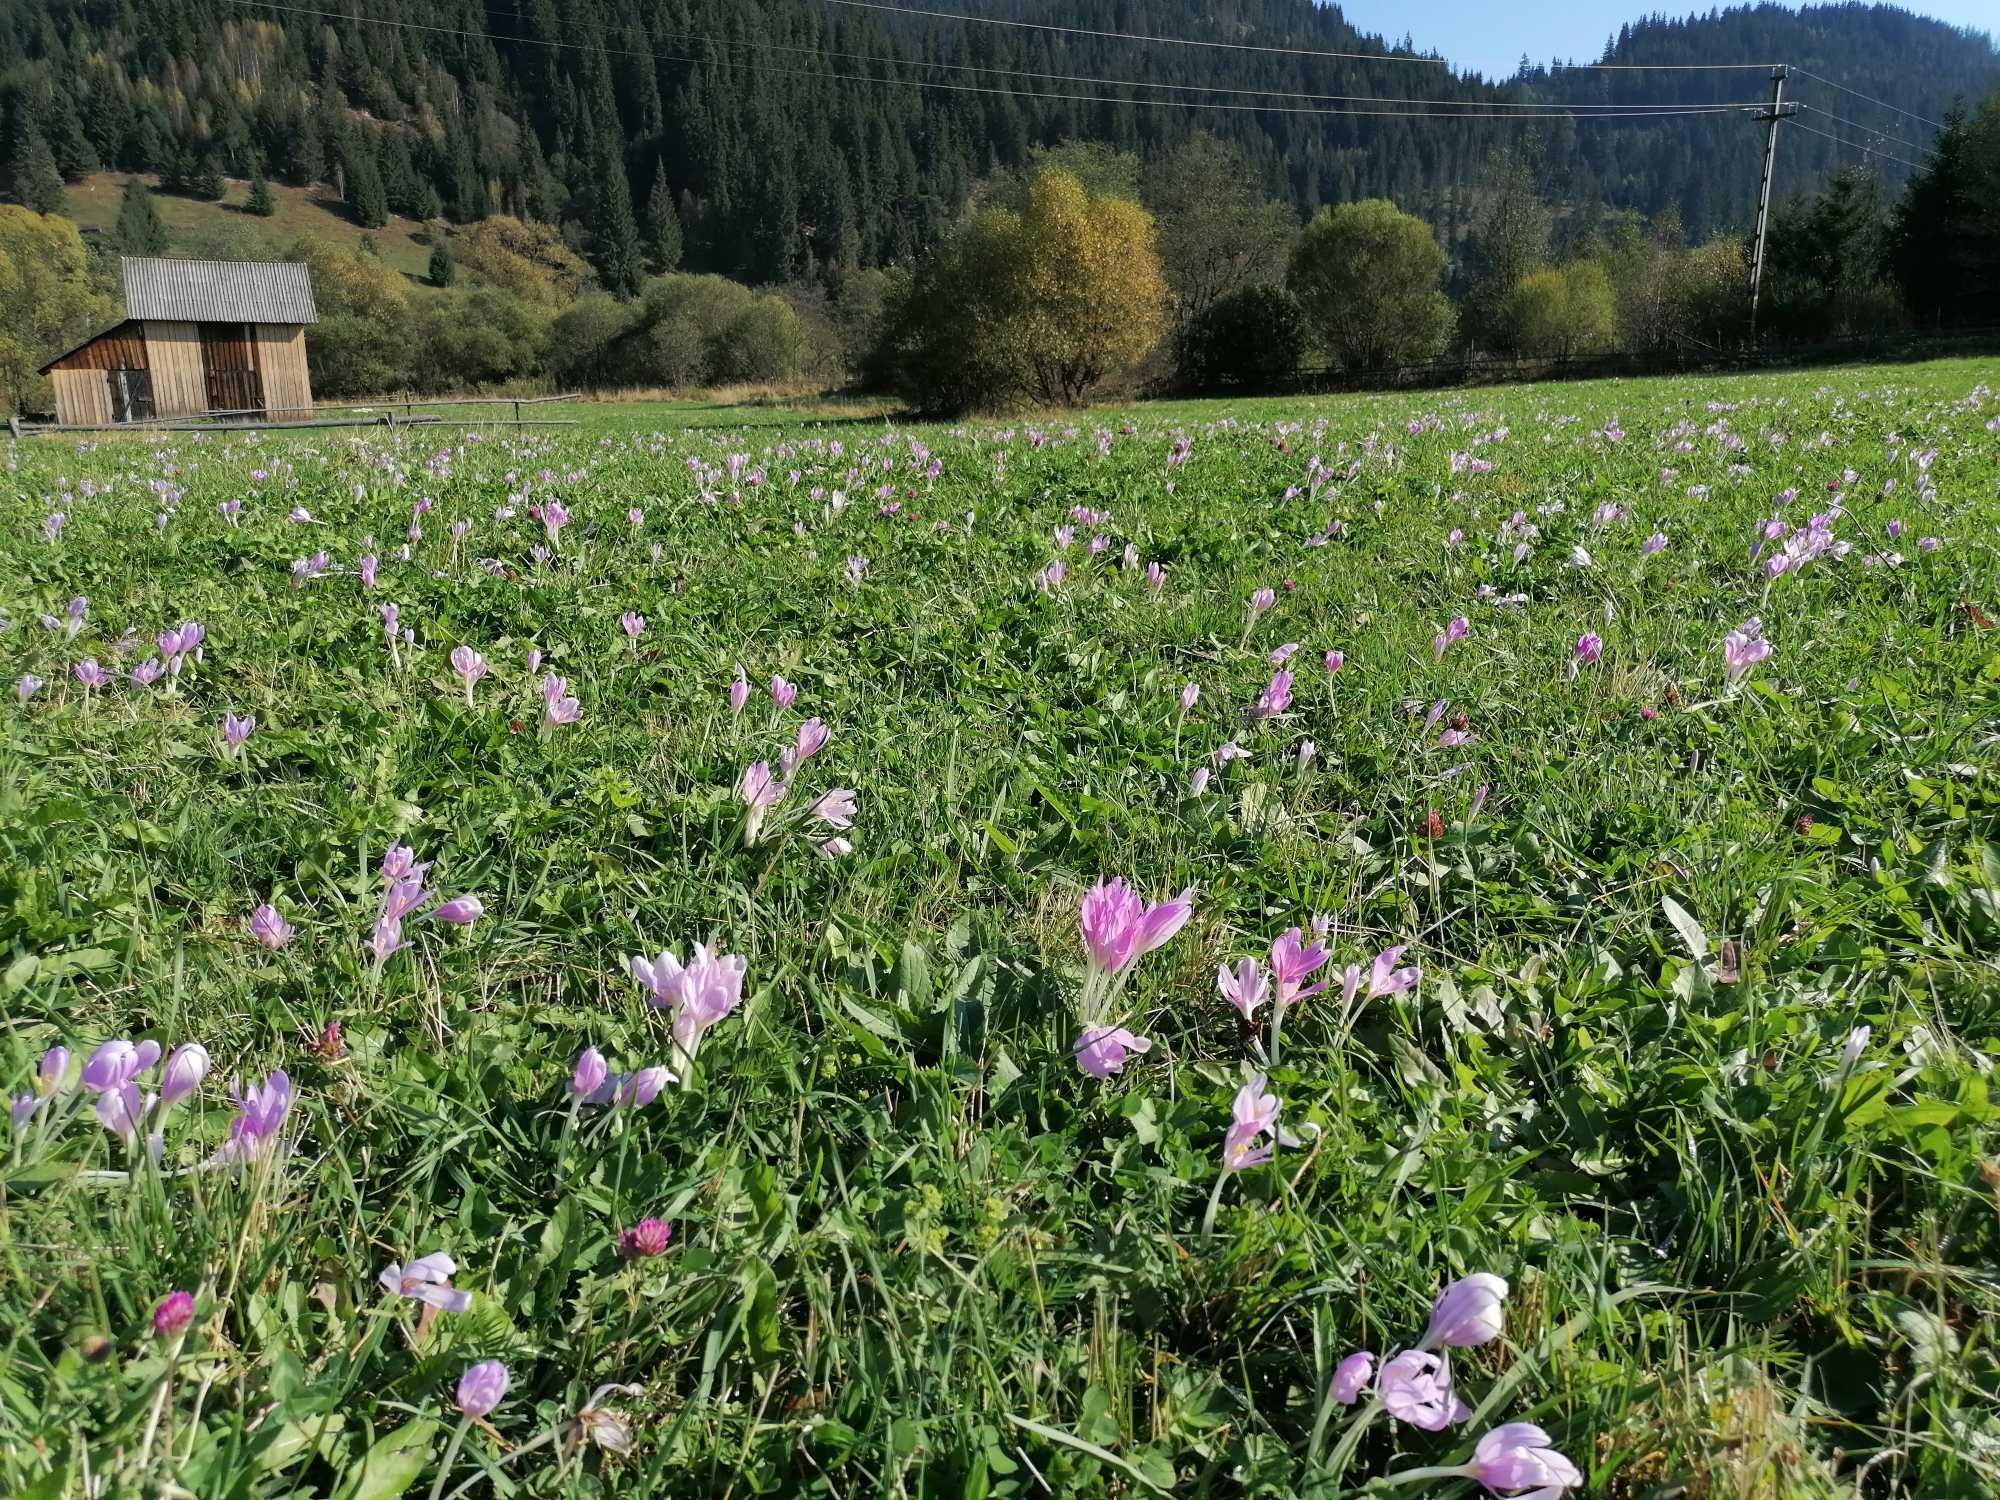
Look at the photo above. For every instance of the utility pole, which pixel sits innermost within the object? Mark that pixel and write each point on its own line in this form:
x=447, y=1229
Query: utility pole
x=1779, y=110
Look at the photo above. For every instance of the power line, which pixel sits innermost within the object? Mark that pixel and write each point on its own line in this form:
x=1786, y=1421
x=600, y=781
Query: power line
x=1857, y=125
x=1640, y=67
x=1870, y=150
x=1132, y=36
x=1452, y=110
x=1871, y=99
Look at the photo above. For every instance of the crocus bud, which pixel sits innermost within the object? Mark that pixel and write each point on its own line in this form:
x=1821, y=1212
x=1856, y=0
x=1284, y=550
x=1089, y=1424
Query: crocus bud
x=460, y=911
x=481, y=1387
x=184, y=1072
x=175, y=1312
x=1190, y=695
x=1468, y=1313
x=591, y=1071
x=1198, y=783
x=739, y=692
x=1351, y=1376
x=270, y=929
x=1334, y=661
x=54, y=1065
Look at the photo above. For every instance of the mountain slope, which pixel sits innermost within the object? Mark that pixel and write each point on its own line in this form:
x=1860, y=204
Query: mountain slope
x=769, y=139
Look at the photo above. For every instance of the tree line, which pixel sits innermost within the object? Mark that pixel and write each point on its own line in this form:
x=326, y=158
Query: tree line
x=1087, y=270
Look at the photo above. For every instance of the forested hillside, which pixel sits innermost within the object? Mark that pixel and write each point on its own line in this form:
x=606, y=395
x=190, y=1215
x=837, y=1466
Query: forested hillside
x=773, y=139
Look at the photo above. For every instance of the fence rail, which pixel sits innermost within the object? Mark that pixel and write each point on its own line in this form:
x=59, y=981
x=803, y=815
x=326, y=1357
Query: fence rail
x=380, y=413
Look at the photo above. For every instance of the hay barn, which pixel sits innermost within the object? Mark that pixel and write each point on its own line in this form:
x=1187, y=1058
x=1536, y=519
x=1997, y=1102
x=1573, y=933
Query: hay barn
x=199, y=338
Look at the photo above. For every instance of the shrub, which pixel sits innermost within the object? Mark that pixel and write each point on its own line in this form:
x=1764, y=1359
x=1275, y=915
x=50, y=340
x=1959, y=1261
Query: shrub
x=1252, y=337
x=1368, y=276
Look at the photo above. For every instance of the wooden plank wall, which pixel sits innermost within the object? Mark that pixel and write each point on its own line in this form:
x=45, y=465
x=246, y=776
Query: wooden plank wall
x=281, y=358
x=173, y=352
x=120, y=348
x=82, y=397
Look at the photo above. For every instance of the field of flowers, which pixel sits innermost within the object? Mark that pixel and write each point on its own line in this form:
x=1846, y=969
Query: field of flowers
x=1443, y=941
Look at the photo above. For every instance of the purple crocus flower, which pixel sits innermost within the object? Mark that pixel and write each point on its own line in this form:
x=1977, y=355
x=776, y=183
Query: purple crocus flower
x=739, y=691
x=783, y=692
x=1451, y=635
x=149, y=671
x=1469, y=1312
x=812, y=739
x=461, y=911
x=90, y=674
x=1517, y=1456
x=1262, y=600
x=1743, y=648
x=235, y=731
x=1386, y=979
x=368, y=567
x=470, y=667
x=590, y=1073
x=186, y=1066
x=558, y=707
x=27, y=686
x=633, y=624
x=1276, y=698
x=386, y=941
x=1156, y=577
x=1293, y=961
x=1589, y=649
x=1333, y=661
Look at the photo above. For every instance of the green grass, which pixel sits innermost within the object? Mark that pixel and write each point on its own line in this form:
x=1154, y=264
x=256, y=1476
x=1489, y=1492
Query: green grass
x=224, y=230
x=915, y=1250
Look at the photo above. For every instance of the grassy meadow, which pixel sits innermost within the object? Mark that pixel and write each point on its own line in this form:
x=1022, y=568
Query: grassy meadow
x=1587, y=794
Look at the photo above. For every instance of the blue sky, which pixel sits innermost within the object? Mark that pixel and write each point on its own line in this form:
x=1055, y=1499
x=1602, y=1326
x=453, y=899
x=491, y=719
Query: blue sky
x=1490, y=37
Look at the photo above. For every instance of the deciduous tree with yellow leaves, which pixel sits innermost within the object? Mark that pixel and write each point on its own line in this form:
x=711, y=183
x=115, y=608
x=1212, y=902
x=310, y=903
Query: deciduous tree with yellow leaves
x=1044, y=304
x=46, y=297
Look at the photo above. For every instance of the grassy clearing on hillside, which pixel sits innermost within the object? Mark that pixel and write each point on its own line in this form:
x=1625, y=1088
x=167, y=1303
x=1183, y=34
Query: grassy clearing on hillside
x=1695, y=859
x=196, y=227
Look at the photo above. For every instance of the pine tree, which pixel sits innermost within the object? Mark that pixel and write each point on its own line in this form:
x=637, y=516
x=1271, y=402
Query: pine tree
x=260, y=202
x=663, y=227
x=614, y=232
x=207, y=181
x=308, y=154
x=139, y=230
x=36, y=180
x=365, y=196
x=443, y=269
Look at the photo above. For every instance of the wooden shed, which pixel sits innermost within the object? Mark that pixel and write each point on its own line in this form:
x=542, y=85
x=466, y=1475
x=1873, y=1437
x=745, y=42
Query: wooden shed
x=199, y=338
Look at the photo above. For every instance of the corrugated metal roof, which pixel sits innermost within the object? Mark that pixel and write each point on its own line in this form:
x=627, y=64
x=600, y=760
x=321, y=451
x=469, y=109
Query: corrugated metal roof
x=218, y=291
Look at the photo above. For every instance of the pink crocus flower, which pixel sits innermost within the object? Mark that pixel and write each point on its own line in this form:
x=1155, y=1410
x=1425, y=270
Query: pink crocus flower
x=1283, y=654
x=270, y=929
x=1243, y=985
x=1469, y=1312
x=1276, y=698
x=399, y=862
x=235, y=731
x=633, y=624
x=1119, y=928
x=149, y=671
x=1252, y=1114
x=1589, y=649
x=558, y=707
x=1262, y=600
x=1415, y=1387
x=783, y=692
x=1102, y=1050
x=835, y=808
x=90, y=674
x=403, y=897
x=367, y=568
x=1293, y=961
x=470, y=667
x=461, y=911
x=426, y=1279
x=386, y=940
x=1743, y=648
x=1386, y=979
x=739, y=691
x=27, y=686
x=590, y=1073
x=1351, y=1377
x=481, y=1388
x=1333, y=661
x=186, y=1066
x=1517, y=1456
x=811, y=740
x=1156, y=577
x=260, y=1116
x=1456, y=631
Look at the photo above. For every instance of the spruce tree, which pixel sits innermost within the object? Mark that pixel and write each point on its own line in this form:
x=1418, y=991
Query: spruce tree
x=443, y=269
x=139, y=230
x=663, y=227
x=614, y=231
x=260, y=202
x=207, y=182
x=365, y=196
x=36, y=180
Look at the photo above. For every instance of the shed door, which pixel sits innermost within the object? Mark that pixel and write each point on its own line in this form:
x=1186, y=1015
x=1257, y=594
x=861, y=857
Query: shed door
x=229, y=361
x=131, y=395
